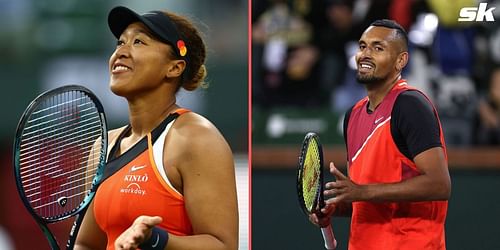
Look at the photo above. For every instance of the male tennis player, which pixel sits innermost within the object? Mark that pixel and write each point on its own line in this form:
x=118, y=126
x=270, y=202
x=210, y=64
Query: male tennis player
x=398, y=183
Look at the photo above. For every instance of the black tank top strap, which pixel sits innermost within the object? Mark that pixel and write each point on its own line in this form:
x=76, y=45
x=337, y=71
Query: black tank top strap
x=172, y=116
x=116, y=147
x=116, y=162
x=158, y=130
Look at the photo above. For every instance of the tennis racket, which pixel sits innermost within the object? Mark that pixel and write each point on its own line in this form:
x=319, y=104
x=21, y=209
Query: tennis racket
x=59, y=156
x=310, y=183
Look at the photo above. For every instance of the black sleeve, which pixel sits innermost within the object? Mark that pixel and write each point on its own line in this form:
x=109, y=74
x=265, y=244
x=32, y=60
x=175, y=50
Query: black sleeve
x=414, y=125
x=346, y=123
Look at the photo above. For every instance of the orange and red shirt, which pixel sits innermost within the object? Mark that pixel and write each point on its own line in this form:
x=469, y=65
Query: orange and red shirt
x=140, y=187
x=374, y=157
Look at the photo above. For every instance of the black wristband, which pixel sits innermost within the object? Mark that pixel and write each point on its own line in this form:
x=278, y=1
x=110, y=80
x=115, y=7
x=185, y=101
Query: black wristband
x=157, y=241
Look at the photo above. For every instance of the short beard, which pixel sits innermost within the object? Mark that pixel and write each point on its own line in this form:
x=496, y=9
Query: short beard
x=371, y=79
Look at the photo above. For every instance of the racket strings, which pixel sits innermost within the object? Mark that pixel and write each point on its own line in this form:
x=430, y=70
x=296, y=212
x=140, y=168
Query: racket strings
x=31, y=166
x=29, y=148
x=60, y=103
x=33, y=182
x=83, y=170
x=32, y=142
x=54, y=203
x=60, y=151
x=87, y=175
x=60, y=117
x=53, y=194
x=52, y=154
x=71, y=188
x=311, y=175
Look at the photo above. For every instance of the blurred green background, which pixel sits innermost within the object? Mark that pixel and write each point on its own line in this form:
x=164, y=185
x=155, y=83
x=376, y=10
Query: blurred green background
x=48, y=43
x=278, y=223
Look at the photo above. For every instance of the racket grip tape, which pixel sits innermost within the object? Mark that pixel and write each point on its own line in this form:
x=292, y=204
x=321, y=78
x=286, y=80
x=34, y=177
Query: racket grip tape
x=330, y=241
x=73, y=233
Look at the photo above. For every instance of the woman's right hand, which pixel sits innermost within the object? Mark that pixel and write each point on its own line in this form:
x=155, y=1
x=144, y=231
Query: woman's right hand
x=137, y=233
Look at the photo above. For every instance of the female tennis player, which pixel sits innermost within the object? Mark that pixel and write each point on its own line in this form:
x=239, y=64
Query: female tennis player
x=173, y=183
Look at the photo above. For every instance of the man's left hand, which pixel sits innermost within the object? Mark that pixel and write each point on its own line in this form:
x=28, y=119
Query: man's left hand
x=343, y=189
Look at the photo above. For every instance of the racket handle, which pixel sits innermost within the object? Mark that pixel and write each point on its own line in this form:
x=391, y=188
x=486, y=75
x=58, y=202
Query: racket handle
x=70, y=244
x=330, y=242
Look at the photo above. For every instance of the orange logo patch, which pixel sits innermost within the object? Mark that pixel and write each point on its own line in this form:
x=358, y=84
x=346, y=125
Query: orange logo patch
x=182, y=48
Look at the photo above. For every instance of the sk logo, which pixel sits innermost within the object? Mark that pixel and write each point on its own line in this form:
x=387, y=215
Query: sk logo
x=478, y=14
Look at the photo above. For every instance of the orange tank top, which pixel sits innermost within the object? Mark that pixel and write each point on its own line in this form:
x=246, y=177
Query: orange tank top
x=140, y=187
x=375, y=158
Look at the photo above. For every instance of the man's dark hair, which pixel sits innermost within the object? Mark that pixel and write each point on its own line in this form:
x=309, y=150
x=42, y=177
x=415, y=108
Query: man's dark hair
x=391, y=24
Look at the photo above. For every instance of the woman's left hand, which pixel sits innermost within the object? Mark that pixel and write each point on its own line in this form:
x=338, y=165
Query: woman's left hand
x=137, y=233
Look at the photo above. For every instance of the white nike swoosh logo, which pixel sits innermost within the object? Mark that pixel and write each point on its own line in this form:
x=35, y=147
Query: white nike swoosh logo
x=157, y=241
x=379, y=119
x=135, y=168
x=368, y=138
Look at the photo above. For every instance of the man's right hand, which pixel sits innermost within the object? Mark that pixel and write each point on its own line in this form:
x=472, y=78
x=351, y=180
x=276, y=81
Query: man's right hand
x=323, y=219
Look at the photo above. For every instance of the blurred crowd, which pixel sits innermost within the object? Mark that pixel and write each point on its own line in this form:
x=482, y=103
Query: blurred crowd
x=303, y=57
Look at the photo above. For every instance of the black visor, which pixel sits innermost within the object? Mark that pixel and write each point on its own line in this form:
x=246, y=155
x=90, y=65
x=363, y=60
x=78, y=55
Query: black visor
x=161, y=26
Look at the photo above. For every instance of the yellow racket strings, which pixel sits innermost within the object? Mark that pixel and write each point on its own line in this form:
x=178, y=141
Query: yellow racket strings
x=311, y=175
